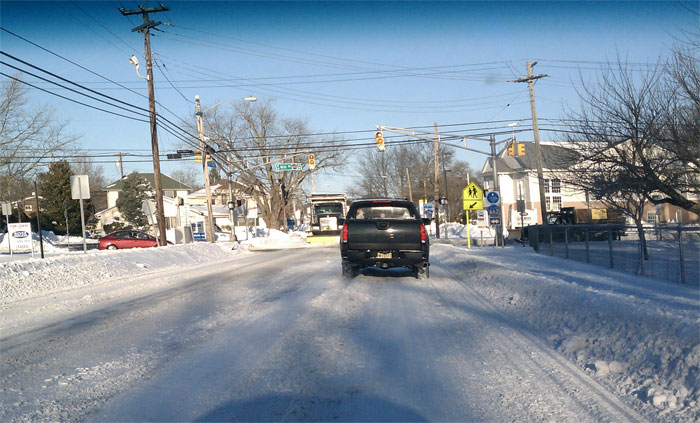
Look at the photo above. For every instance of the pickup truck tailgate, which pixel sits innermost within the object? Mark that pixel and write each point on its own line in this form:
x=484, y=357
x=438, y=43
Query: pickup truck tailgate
x=377, y=234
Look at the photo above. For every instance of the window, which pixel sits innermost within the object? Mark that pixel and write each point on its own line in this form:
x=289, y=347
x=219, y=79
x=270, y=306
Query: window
x=556, y=203
x=383, y=212
x=546, y=185
x=520, y=190
x=28, y=207
x=651, y=217
x=556, y=185
x=548, y=203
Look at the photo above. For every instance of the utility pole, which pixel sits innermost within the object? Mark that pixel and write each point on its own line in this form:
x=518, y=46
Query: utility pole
x=231, y=199
x=447, y=194
x=410, y=191
x=144, y=29
x=38, y=219
x=120, y=163
x=436, y=195
x=538, y=152
x=496, y=187
x=284, y=205
x=205, y=170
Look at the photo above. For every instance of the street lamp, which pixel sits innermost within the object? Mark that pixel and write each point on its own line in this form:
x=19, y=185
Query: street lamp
x=512, y=126
x=205, y=169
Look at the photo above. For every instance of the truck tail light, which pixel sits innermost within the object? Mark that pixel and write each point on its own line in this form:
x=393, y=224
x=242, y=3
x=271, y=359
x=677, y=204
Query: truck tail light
x=345, y=233
x=422, y=233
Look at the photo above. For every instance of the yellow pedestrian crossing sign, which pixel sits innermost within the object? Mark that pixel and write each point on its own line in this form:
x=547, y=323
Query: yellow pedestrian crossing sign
x=472, y=197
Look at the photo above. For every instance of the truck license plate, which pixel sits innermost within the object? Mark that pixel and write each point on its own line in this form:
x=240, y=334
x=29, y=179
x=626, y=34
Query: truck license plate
x=384, y=254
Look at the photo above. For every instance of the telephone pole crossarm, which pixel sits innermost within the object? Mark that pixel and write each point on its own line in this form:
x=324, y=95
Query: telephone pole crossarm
x=530, y=78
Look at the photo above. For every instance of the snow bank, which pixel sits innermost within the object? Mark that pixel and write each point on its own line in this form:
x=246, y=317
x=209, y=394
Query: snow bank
x=64, y=269
x=34, y=277
x=272, y=239
x=640, y=336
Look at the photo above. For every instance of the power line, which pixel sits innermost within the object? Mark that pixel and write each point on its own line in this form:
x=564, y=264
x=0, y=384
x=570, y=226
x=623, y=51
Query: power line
x=83, y=68
x=70, y=99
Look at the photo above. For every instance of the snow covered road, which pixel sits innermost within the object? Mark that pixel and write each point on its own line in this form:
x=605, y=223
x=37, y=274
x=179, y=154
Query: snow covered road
x=280, y=336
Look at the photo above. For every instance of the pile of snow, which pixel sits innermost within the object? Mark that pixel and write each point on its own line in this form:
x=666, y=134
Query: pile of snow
x=64, y=270
x=273, y=239
x=640, y=336
x=27, y=278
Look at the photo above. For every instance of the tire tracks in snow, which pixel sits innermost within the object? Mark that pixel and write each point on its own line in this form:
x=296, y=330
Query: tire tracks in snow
x=592, y=397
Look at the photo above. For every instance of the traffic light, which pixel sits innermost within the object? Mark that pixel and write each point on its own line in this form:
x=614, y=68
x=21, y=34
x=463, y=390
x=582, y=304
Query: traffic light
x=380, y=141
x=198, y=157
x=312, y=161
x=521, y=149
x=511, y=149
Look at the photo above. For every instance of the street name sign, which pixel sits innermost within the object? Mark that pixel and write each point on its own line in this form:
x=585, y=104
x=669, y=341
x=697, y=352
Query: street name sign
x=288, y=166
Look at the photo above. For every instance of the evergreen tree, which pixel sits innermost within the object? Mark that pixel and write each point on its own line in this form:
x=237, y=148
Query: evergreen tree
x=131, y=197
x=54, y=188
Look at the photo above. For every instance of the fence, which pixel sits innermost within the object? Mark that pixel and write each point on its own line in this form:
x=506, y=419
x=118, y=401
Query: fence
x=673, y=251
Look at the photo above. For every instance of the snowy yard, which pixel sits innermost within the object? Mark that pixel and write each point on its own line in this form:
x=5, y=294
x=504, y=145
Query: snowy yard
x=270, y=331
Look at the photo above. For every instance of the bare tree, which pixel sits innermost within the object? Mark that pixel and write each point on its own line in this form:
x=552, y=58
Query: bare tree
x=188, y=176
x=384, y=174
x=84, y=165
x=27, y=136
x=644, y=130
x=254, y=138
x=376, y=177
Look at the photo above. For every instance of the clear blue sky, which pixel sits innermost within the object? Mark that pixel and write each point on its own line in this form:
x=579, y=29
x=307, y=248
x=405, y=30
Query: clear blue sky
x=344, y=66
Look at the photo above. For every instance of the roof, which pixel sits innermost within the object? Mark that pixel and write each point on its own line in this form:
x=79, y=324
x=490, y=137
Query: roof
x=553, y=157
x=166, y=182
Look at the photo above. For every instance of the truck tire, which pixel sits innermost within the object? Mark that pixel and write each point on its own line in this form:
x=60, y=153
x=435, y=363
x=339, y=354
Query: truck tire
x=421, y=272
x=348, y=270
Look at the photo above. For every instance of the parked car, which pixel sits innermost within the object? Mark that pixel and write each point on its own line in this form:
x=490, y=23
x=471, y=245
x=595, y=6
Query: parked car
x=126, y=239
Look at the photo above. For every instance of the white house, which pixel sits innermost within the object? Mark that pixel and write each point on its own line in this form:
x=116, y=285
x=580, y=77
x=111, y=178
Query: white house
x=171, y=189
x=517, y=179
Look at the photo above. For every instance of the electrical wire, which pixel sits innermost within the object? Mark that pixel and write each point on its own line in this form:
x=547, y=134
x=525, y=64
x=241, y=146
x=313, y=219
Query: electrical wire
x=70, y=99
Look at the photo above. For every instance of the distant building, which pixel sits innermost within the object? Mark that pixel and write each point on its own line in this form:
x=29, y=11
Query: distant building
x=517, y=179
x=29, y=205
x=172, y=189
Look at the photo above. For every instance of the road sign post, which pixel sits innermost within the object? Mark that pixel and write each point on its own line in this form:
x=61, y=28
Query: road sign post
x=80, y=190
x=472, y=199
x=7, y=211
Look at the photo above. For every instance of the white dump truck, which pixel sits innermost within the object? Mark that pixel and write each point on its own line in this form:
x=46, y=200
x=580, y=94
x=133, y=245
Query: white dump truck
x=327, y=217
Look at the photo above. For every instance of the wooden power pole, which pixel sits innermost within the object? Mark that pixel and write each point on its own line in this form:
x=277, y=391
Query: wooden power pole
x=436, y=196
x=144, y=29
x=535, y=129
x=205, y=169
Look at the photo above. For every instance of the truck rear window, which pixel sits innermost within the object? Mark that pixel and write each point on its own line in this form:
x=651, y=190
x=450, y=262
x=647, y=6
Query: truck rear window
x=382, y=211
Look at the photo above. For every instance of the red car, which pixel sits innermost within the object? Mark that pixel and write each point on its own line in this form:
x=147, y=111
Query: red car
x=126, y=239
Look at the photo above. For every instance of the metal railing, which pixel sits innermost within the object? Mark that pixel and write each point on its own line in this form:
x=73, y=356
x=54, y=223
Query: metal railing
x=672, y=251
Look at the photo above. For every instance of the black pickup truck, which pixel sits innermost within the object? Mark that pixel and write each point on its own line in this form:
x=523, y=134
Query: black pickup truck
x=384, y=233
